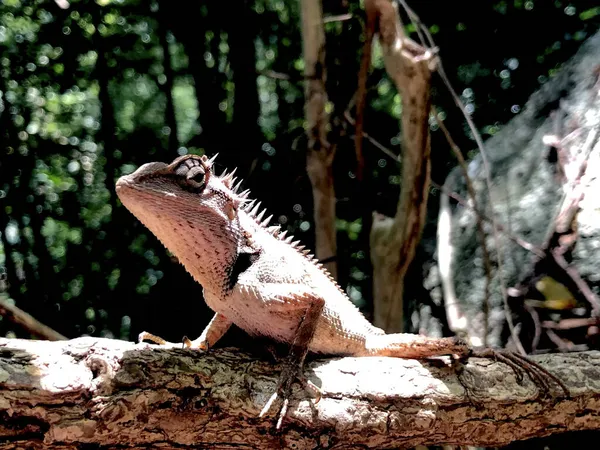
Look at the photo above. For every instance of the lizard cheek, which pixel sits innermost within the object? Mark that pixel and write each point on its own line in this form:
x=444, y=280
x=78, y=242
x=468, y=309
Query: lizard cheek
x=232, y=206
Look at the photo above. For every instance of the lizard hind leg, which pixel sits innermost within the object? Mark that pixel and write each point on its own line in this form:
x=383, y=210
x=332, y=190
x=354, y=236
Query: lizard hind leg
x=291, y=370
x=294, y=363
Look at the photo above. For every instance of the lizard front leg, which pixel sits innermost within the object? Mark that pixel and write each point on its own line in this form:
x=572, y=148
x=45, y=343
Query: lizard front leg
x=293, y=367
x=215, y=329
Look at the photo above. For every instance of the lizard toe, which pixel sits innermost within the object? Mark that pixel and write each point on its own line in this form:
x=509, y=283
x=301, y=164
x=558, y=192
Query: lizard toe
x=145, y=336
x=268, y=405
x=290, y=372
x=311, y=387
x=521, y=366
x=283, y=390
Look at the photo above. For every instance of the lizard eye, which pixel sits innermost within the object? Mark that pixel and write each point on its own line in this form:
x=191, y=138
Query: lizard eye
x=196, y=178
x=191, y=174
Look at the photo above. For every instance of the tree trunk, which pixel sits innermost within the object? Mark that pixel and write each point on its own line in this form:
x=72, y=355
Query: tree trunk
x=320, y=151
x=112, y=393
x=394, y=241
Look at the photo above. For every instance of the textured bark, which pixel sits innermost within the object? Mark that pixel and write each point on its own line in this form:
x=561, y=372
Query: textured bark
x=112, y=393
x=394, y=242
x=320, y=151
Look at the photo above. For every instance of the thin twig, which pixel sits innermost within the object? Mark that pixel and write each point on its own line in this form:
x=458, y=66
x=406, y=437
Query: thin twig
x=371, y=16
x=337, y=18
x=373, y=141
x=568, y=213
x=564, y=344
x=569, y=324
x=536, y=326
x=488, y=182
x=416, y=21
x=526, y=245
x=563, y=221
x=277, y=75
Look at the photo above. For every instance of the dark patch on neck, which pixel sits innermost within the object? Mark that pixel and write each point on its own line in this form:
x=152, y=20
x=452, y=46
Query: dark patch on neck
x=243, y=262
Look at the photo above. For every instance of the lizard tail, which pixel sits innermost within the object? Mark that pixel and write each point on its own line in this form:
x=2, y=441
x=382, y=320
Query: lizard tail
x=411, y=346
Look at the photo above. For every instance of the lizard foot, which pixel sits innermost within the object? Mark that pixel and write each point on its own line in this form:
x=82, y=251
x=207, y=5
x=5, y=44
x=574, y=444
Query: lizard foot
x=291, y=371
x=521, y=366
x=185, y=342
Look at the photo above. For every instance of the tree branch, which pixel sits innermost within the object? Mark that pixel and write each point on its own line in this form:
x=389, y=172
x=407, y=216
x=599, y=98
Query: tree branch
x=114, y=393
x=28, y=322
x=320, y=155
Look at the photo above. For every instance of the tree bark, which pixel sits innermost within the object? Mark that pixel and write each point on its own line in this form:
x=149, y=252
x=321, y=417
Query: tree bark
x=320, y=152
x=113, y=393
x=394, y=241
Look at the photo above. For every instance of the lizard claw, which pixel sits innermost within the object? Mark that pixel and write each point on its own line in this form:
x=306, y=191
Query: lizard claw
x=282, y=413
x=268, y=405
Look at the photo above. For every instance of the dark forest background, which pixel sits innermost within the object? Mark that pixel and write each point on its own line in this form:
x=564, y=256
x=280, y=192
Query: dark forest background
x=92, y=91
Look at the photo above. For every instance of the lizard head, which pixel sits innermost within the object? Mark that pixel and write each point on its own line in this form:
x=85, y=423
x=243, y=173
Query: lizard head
x=188, y=183
x=187, y=207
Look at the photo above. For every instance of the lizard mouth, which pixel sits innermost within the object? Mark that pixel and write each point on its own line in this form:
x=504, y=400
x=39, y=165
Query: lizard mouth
x=123, y=182
x=126, y=185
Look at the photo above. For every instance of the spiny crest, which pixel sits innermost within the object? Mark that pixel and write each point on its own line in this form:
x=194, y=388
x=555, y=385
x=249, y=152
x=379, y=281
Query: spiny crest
x=253, y=209
x=228, y=179
x=208, y=162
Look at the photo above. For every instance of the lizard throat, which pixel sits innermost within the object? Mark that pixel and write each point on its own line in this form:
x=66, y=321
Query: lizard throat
x=205, y=245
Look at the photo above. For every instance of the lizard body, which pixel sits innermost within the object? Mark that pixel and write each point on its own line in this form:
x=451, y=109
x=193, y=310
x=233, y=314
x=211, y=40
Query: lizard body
x=253, y=275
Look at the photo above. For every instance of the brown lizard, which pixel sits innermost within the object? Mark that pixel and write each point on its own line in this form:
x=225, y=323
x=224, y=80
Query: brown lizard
x=255, y=277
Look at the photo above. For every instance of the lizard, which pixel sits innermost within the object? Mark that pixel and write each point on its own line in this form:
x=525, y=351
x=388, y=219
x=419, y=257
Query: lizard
x=255, y=276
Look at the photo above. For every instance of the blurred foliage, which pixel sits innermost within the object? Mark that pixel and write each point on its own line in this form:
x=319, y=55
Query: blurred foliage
x=92, y=91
